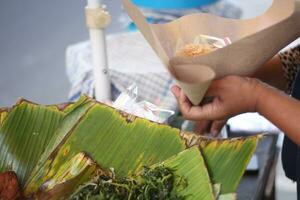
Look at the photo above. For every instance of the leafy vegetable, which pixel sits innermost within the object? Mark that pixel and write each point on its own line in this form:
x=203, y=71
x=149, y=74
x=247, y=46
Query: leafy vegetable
x=152, y=184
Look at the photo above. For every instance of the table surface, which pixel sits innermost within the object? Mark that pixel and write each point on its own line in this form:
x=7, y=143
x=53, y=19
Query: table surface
x=254, y=185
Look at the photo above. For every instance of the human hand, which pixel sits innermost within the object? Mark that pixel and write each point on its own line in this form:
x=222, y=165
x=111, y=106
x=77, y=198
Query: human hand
x=208, y=126
x=232, y=95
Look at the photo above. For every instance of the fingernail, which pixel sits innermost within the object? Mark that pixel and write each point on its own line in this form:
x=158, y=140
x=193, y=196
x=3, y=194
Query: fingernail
x=176, y=94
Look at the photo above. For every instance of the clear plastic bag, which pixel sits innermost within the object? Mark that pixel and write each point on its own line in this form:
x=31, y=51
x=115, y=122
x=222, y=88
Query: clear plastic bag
x=127, y=101
x=202, y=44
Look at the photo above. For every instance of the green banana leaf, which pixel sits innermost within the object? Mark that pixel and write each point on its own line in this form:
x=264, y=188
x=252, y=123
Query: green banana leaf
x=24, y=134
x=110, y=137
x=25, y=131
x=80, y=169
x=237, y=151
x=190, y=165
x=227, y=160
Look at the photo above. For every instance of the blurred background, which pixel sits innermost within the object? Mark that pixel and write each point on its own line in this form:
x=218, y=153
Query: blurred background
x=34, y=35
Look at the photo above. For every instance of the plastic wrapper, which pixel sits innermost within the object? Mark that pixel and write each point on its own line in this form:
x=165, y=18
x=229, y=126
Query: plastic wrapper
x=127, y=101
x=203, y=44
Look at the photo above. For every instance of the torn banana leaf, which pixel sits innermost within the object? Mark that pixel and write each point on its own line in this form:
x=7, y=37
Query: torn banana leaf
x=69, y=177
x=110, y=137
x=227, y=159
x=190, y=165
x=25, y=132
x=124, y=142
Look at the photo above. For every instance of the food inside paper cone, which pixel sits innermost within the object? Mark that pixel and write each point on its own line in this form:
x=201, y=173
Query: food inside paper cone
x=196, y=84
x=203, y=44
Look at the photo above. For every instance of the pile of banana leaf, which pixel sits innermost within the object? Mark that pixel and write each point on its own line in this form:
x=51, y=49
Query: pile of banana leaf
x=88, y=150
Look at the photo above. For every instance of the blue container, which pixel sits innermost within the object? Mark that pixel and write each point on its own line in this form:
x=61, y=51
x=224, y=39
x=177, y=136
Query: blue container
x=172, y=4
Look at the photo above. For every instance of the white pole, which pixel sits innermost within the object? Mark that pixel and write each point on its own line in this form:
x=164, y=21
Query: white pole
x=99, y=58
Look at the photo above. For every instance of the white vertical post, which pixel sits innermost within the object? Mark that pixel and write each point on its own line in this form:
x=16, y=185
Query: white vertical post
x=99, y=57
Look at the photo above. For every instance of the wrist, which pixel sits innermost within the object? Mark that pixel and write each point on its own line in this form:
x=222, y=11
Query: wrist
x=263, y=92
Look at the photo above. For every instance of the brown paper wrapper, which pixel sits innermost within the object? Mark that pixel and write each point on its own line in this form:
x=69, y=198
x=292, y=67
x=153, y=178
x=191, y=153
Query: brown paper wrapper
x=254, y=41
x=194, y=80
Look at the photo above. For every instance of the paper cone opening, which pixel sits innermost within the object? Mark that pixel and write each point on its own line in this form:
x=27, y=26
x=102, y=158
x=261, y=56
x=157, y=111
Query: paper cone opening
x=194, y=80
x=251, y=45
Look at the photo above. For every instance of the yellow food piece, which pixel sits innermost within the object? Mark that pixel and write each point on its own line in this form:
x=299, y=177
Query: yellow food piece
x=193, y=50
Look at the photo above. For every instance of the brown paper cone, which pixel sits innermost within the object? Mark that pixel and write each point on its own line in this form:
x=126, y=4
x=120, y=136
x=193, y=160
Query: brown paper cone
x=254, y=41
x=194, y=80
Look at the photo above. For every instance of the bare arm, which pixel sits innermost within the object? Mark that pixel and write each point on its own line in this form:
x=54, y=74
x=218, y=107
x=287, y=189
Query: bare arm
x=272, y=73
x=282, y=110
x=235, y=95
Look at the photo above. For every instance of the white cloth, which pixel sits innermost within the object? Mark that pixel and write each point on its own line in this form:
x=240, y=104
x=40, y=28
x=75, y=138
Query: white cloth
x=131, y=60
